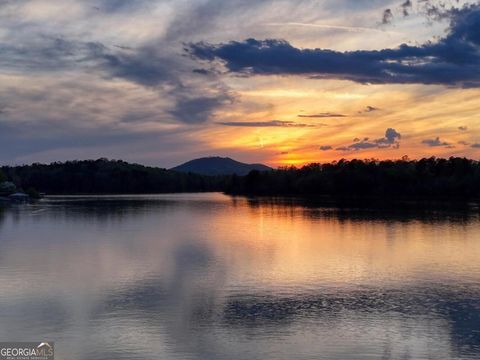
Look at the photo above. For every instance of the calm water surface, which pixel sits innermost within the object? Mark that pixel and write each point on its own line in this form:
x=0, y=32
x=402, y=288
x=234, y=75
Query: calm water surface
x=206, y=276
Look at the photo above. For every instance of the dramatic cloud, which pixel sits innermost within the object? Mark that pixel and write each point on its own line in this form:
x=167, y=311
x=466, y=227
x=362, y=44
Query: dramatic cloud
x=390, y=140
x=146, y=66
x=322, y=115
x=453, y=60
x=93, y=78
x=326, y=148
x=436, y=142
x=271, y=123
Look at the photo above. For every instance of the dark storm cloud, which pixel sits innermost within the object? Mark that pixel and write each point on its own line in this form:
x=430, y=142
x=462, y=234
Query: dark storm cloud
x=390, y=140
x=271, y=123
x=322, y=115
x=436, y=142
x=453, y=60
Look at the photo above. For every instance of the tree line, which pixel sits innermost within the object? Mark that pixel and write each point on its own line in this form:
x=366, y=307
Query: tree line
x=105, y=176
x=455, y=177
x=426, y=178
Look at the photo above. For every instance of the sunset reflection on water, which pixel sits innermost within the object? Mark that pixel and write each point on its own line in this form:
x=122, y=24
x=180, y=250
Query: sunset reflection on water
x=206, y=276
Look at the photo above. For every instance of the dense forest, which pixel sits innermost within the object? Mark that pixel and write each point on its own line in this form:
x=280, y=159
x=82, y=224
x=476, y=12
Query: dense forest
x=457, y=178
x=104, y=176
x=436, y=178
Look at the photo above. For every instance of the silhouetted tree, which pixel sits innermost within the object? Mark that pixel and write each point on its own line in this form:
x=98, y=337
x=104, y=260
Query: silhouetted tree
x=104, y=176
x=425, y=178
x=453, y=178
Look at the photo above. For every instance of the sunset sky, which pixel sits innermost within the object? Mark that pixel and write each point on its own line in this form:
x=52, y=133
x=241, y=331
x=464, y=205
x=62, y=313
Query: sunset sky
x=281, y=82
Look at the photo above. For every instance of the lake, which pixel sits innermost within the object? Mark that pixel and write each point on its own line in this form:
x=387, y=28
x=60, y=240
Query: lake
x=207, y=276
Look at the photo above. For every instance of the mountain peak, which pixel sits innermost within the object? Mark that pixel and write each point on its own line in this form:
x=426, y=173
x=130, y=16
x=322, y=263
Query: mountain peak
x=216, y=165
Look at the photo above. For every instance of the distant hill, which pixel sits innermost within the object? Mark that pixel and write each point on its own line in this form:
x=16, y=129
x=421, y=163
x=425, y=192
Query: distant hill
x=219, y=166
